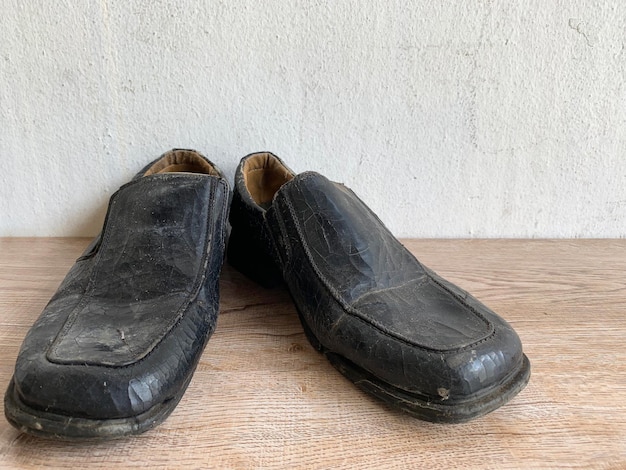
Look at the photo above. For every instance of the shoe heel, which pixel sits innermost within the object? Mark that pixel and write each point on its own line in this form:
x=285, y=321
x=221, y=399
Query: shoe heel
x=248, y=256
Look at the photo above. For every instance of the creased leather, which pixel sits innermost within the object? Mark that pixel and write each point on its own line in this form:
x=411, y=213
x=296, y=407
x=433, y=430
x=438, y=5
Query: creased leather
x=126, y=327
x=144, y=274
x=369, y=272
x=366, y=298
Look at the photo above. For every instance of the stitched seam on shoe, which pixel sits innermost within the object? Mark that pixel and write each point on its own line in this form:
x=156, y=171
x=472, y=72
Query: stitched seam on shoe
x=208, y=247
x=210, y=223
x=86, y=294
x=276, y=241
x=192, y=298
x=462, y=301
x=355, y=313
x=184, y=305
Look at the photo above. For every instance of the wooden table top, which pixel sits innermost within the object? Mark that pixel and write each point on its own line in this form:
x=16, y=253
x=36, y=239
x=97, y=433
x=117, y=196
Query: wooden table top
x=263, y=398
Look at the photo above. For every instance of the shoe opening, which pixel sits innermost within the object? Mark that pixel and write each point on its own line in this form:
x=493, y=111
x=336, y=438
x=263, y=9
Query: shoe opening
x=182, y=161
x=263, y=175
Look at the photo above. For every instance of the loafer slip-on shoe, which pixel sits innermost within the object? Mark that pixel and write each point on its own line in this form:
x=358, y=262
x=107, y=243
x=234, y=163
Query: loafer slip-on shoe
x=390, y=325
x=115, y=348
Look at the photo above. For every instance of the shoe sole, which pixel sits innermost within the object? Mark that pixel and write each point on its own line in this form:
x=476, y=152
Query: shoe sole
x=63, y=427
x=420, y=406
x=426, y=410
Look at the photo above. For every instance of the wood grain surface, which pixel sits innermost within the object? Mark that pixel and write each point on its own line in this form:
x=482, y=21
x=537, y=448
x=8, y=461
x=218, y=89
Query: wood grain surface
x=263, y=398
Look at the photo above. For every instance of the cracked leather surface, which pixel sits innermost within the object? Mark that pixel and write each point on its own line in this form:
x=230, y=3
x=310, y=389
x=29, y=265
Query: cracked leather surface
x=145, y=272
x=126, y=328
x=370, y=272
x=366, y=298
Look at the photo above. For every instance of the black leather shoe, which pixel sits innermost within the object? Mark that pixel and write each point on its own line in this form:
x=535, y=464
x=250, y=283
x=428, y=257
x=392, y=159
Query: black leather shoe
x=116, y=346
x=390, y=325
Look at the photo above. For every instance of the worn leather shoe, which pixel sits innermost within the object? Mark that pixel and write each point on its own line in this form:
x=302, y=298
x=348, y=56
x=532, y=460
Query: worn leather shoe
x=116, y=346
x=389, y=324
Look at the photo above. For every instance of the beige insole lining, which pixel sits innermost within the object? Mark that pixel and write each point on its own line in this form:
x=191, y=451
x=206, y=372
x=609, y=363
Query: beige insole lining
x=263, y=175
x=186, y=161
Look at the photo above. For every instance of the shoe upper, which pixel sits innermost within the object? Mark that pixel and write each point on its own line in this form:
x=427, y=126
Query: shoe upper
x=365, y=297
x=125, y=329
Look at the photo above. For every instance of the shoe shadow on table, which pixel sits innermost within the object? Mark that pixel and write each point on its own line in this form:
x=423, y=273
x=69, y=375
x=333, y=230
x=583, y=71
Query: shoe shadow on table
x=259, y=332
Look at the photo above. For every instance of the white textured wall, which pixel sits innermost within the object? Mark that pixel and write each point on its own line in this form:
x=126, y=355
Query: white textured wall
x=451, y=119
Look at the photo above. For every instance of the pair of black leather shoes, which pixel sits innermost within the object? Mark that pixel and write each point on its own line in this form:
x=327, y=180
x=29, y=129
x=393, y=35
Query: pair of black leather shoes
x=116, y=346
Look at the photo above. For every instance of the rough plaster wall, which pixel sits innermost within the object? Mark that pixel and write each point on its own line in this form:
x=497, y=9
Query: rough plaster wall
x=451, y=119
